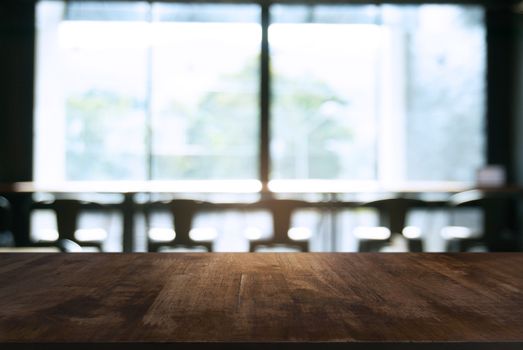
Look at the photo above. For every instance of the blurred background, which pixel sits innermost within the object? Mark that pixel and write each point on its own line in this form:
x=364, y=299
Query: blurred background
x=354, y=126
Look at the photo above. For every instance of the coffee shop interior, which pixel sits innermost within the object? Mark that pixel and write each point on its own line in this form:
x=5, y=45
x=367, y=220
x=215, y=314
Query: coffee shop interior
x=322, y=126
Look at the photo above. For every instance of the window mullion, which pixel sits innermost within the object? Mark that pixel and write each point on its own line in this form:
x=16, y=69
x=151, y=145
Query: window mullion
x=264, y=99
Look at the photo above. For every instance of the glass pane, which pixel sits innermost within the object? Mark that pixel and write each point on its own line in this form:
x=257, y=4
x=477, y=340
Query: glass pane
x=205, y=91
x=91, y=88
x=135, y=91
x=445, y=109
x=384, y=93
x=324, y=93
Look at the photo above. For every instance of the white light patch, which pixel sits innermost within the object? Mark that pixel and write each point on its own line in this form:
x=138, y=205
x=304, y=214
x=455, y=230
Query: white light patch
x=412, y=232
x=161, y=234
x=48, y=235
x=203, y=233
x=299, y=233
x=367, y=232
x=451, y=232
x=90, y=234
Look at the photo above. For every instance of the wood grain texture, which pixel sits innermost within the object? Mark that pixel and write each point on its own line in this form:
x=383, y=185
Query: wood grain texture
x=335, y=299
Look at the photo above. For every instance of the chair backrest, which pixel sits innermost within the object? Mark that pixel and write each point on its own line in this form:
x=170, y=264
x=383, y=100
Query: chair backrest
x=6, y=233
x=393, y=211
x=67, y=213
x=183, y=212
x=495, y=209
x=281, y=211
x=472, y=198
x=5, y=215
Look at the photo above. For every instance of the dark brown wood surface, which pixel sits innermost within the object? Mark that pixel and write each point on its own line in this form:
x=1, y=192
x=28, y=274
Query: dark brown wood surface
x=340, y=300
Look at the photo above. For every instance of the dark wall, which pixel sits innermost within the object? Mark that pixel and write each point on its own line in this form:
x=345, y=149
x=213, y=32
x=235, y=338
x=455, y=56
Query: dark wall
x=518, y=113
x=501, y=62
x=17, y=48
x=518, y=100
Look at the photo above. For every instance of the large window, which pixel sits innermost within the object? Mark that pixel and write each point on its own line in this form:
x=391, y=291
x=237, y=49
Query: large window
x=204, y=77
x=131, y=91
x=138, y=91
x=387, y=93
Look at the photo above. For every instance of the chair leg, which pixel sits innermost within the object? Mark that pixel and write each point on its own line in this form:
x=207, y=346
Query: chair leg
x=207, y=245
x=452, y=246
x=415, y=245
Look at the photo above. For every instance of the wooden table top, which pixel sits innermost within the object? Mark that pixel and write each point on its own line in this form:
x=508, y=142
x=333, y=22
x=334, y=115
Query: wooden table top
x=298, y=300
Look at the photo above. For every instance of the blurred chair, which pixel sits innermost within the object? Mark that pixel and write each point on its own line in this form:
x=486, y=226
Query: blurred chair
x=281, y=212
x=70, y=237
x=184, y=236
x=6, y=234
x=392, y=214
x=460, y=238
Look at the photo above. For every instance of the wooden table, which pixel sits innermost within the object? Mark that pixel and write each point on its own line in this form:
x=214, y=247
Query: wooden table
x=261, y=301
